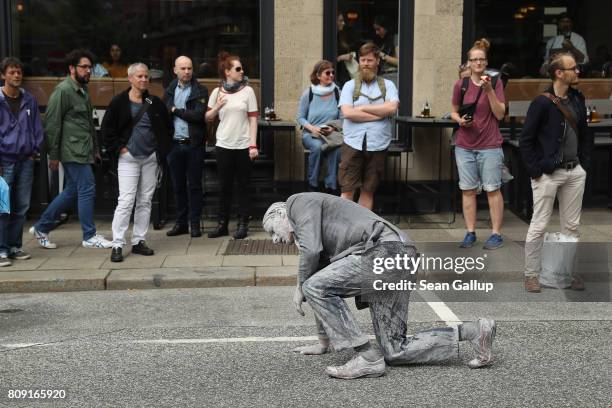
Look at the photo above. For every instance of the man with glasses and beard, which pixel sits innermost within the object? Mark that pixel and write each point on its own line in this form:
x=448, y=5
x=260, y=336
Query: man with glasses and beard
x=555, y=145
x=367, y=102
x=71, y=140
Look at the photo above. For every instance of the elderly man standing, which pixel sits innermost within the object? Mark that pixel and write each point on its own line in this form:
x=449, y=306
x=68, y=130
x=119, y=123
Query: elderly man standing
x=347, y=237
x=71, y=139
x=21, y=134
x=367, y=103
x=137, y=128
x=186, y=101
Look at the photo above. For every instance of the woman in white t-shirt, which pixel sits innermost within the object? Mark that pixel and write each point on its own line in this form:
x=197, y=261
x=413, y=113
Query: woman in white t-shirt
x=235, y=103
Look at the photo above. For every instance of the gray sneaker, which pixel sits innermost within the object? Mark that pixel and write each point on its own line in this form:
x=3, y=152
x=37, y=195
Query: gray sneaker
x=19, y=254
x=357, y=367
x=483, y=344
x=4, y=260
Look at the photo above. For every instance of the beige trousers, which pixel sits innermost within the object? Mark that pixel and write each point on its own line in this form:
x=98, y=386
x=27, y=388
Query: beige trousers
x=568, y=187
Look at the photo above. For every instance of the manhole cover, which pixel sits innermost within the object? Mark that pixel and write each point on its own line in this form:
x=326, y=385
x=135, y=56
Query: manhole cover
x=259, y=247
x=11, y=311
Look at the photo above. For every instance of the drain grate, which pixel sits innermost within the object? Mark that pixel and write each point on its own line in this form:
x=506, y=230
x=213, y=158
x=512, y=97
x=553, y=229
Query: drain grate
x=259, y=247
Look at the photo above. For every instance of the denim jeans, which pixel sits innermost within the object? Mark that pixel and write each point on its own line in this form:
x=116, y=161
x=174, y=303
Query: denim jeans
x=80, y=186
x=480, y=169
x=19, y=177
x=185, y=164
x=314, y=162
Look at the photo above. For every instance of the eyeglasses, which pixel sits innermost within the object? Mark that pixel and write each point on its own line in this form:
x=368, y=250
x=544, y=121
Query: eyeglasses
x=238, y=69
x=574, y=68
x=477, y=60
x=85, y=66
x=329, y=72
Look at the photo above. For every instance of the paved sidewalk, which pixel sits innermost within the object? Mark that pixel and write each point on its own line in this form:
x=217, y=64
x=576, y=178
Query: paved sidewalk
x=183, y=262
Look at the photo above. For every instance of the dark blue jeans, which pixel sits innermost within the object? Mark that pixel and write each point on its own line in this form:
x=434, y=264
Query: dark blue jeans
x=19, y=178
x=80, y=186
x=185, y=163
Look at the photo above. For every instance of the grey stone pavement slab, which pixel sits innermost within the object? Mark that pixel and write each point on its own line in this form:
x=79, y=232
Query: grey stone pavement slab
x=200, y=262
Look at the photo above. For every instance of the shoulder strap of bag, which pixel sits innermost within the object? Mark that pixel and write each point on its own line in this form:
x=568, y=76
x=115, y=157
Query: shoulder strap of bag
x=357, y=90
x=382, y=87
x=568, y=116
x=143, y=109
x=464, y=87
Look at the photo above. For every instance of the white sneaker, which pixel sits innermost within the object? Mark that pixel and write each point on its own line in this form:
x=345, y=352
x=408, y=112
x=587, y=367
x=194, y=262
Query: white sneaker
x=42, y=238
x=4, y=260
x=97, y=241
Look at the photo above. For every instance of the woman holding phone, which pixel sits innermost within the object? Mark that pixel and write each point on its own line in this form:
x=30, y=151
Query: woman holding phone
x=319, y=105
x=235, y=103
x=478, y=150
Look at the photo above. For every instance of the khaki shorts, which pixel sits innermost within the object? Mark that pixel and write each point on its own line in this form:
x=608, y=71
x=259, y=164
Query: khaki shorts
x=359, y=169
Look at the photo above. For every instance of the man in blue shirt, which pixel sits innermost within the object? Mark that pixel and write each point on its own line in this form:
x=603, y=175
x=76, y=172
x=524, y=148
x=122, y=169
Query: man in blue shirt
x=186, y=100
x=367, y=104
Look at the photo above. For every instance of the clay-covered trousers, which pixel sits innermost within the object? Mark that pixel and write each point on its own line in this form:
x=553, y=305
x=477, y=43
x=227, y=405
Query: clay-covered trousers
x=325, y=292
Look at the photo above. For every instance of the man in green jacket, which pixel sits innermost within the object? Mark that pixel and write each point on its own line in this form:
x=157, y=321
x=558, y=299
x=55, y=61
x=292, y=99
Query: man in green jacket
x=71, y=140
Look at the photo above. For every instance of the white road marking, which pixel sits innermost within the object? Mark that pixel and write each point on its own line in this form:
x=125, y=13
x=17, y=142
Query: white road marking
x=281, y=339
x=224, y=340
x=21, y=345
x=440, y=308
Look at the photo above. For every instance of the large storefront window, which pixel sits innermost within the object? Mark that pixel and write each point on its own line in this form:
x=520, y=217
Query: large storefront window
x=359, y=22
x=523, y=33
x=120, y=32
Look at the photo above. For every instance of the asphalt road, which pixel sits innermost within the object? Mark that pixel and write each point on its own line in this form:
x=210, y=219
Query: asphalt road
x=232, y=347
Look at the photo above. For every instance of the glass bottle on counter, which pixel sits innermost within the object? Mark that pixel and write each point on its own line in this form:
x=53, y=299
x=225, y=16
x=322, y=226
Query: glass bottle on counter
x=426, y=109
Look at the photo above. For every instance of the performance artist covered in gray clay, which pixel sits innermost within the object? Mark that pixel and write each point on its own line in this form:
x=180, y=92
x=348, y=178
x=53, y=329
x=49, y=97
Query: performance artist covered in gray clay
x=338, y=242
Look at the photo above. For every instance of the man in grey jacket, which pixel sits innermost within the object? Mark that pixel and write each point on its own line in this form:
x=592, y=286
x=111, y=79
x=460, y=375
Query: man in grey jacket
x=346, y=237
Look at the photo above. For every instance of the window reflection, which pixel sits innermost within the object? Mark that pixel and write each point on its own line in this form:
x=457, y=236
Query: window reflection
x=120, y=32
x=360, y=22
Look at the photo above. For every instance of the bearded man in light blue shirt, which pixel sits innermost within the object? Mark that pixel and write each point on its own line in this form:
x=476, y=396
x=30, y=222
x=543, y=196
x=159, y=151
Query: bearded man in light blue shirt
x=367, y=104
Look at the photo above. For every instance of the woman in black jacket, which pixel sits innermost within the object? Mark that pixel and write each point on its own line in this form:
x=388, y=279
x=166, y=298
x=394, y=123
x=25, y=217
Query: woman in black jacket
x=136, y=127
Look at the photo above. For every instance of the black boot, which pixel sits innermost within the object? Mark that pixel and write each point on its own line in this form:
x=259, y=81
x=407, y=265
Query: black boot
x=243, y=228
x=196, y=231
x=178, y=229
x=220, y=231
x=117, y=255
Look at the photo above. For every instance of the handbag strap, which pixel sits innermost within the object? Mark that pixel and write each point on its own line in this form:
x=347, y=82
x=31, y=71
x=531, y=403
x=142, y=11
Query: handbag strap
x=143, y=109
x=568, y=116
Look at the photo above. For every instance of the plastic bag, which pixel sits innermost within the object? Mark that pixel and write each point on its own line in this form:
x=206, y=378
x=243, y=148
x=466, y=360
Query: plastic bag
x=558, y=254
x=5, y=197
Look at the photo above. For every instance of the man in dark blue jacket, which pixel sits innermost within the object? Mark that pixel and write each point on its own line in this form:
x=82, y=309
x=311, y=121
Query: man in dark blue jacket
x=21, y=134
x=556, y=148
x=186, y=101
